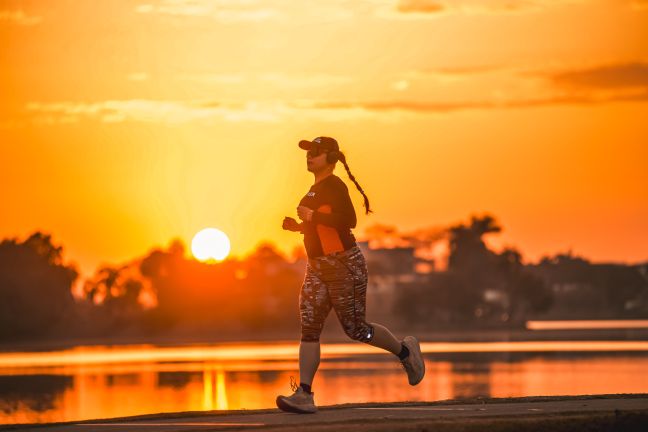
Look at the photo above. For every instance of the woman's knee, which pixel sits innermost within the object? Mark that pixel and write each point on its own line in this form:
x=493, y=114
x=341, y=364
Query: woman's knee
x=363, y=332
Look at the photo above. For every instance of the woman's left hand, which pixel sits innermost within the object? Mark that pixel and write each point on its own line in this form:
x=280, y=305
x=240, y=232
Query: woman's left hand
x=304, y=213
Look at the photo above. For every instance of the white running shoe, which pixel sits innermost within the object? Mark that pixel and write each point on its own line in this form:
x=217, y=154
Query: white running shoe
x=299, y=402
x=413, y=364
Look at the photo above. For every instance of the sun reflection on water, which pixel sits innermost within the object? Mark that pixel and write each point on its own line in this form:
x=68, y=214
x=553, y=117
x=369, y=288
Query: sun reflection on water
x=91, y=383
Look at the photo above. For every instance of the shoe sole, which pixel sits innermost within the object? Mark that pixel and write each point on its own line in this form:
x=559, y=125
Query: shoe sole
x=417, y=351
x=285, y=406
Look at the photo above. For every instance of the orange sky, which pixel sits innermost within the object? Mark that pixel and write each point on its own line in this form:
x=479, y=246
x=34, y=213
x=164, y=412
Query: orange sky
x=124, y=124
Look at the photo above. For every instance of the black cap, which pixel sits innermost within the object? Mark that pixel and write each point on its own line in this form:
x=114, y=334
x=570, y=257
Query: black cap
x=326, y=143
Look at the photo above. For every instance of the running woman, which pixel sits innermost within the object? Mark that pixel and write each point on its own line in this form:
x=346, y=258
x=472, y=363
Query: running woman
x=336, y=275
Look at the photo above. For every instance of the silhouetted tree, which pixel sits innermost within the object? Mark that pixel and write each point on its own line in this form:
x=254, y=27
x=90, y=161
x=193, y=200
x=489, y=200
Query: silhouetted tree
x=479, y=284
x=467, y=249
x=471, y=265
x=35, y=287
x=524, y=291
x=114, y=295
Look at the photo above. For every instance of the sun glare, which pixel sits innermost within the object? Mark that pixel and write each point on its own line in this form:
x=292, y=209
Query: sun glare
x=210, y=243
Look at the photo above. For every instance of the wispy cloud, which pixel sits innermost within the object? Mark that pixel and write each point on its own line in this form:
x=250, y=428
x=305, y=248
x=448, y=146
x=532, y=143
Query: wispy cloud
x=231, y=11
x=494, y=103
x=425, y=9
x=225, y=11
x=590, y=84
x=422, y=6
x=616, y=76
x=445, y=75
x=576, y=86
x=467, y=83
x=175, y=112
x=146, y=110
x=19, y=17
x=522, y=88
x=331, y=111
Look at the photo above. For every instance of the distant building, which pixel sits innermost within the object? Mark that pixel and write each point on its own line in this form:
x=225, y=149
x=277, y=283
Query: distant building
x=392, y=261
x=389, y=269
x=582, y=289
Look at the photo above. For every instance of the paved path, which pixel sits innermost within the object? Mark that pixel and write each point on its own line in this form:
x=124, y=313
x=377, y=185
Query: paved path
x=361, y=417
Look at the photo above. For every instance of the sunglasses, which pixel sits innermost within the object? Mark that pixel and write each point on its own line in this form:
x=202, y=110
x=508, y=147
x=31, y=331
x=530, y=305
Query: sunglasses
x=315, y=151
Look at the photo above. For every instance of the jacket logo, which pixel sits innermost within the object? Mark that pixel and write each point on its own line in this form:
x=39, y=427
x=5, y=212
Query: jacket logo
x=310, y=194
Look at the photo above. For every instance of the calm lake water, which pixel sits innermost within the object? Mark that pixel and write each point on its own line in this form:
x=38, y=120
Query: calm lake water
x=111, y=381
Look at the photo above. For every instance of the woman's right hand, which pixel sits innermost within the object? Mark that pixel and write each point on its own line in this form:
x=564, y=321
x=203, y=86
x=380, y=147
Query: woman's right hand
x=290, y=224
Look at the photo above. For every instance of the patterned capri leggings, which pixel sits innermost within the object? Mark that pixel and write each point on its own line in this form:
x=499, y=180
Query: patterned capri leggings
x=338, y=281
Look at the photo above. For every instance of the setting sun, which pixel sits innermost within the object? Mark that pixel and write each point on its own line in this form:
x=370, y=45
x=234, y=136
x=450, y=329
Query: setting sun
x=210, y=243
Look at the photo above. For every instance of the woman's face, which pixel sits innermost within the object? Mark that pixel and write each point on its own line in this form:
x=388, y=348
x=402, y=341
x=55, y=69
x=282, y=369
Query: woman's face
x=316, y=163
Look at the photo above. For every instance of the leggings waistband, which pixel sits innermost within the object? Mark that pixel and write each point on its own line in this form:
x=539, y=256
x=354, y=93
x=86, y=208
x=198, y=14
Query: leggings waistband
x=335, y=256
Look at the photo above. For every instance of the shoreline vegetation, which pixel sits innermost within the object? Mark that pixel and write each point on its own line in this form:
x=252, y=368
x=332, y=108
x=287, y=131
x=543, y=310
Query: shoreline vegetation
x=164, y=297
x=332, y=334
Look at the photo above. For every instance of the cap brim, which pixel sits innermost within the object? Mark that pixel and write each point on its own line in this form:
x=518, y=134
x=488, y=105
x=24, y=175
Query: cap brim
x=305, y=144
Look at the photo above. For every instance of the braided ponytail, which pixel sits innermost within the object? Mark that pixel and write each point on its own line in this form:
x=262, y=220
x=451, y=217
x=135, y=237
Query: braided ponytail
x=342, y=159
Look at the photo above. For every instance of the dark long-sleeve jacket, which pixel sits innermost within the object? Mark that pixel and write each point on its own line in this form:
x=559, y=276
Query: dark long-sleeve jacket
x=334, y=216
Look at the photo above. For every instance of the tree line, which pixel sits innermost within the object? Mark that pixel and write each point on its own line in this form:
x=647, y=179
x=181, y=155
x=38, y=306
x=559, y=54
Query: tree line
x=165, y=291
